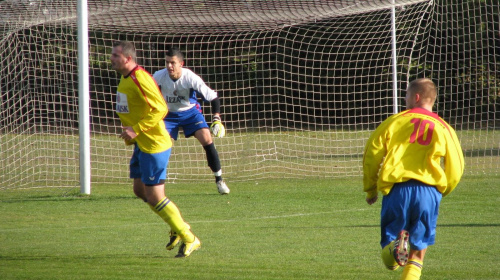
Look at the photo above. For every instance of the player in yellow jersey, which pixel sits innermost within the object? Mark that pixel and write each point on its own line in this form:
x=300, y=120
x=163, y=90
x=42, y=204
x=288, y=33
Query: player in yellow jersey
x=413, y=158
x=141, y=109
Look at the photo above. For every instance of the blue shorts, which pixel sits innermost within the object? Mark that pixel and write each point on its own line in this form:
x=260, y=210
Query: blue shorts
x=191, y=121
x=413, y=206
x=151, y=168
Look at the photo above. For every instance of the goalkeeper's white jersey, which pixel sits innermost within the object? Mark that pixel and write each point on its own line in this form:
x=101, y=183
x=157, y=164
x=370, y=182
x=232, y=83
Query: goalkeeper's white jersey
x=182, y=94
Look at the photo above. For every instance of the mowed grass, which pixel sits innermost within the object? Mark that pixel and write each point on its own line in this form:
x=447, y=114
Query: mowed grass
x=268, y=229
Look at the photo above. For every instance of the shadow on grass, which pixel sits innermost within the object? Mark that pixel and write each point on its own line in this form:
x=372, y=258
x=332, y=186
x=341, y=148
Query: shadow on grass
x=377, y=226
x=469, y=225
x=445, y=225
x=80, y=257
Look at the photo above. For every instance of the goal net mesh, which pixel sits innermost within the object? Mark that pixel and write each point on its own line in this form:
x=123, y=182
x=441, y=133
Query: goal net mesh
x=302, y=83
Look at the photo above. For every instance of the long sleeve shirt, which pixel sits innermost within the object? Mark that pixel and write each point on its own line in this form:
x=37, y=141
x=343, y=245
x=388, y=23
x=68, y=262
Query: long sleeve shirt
x=413, y=144
x=139, y=104
x=182, y=94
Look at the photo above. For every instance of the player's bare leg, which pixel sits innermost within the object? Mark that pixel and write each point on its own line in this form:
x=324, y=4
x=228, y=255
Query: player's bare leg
x=413, y=268
x=139, y=190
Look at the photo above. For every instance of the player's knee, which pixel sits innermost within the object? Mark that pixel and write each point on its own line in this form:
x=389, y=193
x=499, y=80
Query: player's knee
x=139, y=190
x=140, y=195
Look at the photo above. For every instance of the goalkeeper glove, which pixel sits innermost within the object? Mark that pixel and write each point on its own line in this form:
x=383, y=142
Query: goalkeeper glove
x=217, y=128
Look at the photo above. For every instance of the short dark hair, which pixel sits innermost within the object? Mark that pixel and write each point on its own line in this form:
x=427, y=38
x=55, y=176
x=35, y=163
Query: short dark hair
x=425, y=87
x=128, y=48
x=172, y=51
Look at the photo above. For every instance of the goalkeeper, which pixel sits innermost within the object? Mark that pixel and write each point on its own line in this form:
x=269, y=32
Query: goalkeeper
x=181, y=89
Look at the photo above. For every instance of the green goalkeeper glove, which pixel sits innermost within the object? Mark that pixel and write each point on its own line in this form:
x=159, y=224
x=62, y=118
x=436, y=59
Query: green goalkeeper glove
x=217, y=128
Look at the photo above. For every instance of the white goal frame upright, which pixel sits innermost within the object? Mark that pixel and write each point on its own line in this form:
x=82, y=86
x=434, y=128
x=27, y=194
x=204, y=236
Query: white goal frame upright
x=84, y=97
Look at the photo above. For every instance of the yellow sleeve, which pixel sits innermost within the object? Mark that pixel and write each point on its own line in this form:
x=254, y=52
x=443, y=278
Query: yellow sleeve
x=375, y=151
x=453, y=162
x=151, y=93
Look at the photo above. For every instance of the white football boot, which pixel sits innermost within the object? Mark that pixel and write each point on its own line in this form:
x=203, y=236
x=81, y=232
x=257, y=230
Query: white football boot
x=222, y=187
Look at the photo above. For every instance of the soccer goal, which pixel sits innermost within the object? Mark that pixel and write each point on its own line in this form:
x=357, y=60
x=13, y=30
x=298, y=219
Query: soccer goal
x=302, y=82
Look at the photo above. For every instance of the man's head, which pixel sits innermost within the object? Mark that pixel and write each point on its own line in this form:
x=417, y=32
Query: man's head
x=123, y=57
x=175, y=61
x=421, y=93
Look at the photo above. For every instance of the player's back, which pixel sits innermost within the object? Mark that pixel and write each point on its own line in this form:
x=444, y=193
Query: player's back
x=416, y=140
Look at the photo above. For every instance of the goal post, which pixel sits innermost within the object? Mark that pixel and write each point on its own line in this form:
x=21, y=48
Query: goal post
x=394, y=50
x=302, y=83
x=83, y=97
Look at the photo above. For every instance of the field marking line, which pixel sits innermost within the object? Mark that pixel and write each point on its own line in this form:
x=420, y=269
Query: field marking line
x=277, y=216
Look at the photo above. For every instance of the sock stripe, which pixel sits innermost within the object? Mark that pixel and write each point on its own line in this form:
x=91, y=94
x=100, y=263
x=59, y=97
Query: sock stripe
x=415, y=263
x=162, y=204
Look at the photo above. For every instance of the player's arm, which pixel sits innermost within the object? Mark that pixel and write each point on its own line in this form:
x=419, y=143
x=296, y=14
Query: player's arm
x=203, y=91
x=208, y=94
x=215, y=103
x=217, y=128
x=453, y=161
x=375, y=151
x=158, y=107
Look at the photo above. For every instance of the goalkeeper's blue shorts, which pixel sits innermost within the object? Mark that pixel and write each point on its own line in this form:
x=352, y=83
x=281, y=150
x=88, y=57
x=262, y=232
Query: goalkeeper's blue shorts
x=191, y=121
x=413, y=206
x=151, y=168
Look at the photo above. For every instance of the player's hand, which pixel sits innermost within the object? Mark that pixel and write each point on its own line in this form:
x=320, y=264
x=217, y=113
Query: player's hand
x=372, y=200
x=217, y=128
x=128, y=133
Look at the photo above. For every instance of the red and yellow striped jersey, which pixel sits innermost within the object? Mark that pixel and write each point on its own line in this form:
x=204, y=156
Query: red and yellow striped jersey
x=139, y=104
x=414, y=144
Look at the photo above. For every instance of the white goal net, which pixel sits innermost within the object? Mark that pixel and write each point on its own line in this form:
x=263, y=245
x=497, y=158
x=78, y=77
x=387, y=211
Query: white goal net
x=302, y=83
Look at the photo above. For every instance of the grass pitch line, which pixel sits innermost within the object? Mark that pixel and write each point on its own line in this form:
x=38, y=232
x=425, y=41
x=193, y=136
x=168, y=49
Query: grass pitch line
x=276, y=216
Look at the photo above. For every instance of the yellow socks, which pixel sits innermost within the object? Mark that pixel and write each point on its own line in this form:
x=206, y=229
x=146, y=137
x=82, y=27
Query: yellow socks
x=169, y=212
x=413, y=270
x=388, y=257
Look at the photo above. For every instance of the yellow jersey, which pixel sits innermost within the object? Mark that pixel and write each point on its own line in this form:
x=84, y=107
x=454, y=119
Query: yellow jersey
x=140, y=104
x=413, y=144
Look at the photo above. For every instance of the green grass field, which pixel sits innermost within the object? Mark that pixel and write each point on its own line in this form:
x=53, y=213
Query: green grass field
x=268, y=229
